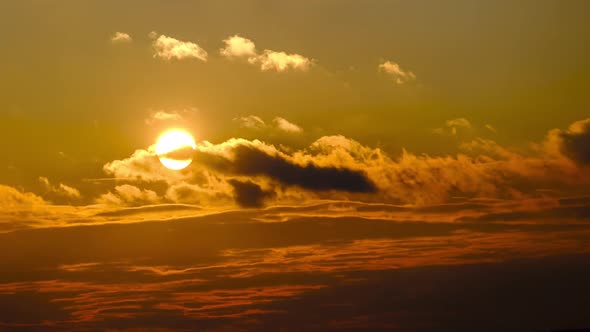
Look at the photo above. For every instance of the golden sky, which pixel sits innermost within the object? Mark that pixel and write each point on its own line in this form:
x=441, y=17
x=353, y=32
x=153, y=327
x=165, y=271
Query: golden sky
x=335, y=147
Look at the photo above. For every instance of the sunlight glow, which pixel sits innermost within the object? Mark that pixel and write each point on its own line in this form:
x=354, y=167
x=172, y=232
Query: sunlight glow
x=174, y=149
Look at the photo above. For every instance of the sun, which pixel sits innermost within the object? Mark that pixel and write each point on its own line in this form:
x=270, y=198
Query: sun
x=175, y=149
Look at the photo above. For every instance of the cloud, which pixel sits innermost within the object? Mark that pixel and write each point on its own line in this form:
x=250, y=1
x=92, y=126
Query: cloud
x=249, y=194
x=235, y=270
x=141, y=166
x=170, y=48
x=60, y=190
x=337, y=167
x=573, y=143
x=399, y=75
x=255, y=122
x=11, y=198
x=163, y=116
x=236, y=46
x=281, y=61
x=149, y=209
x=251, y=121
x=490, y=128
x=22, y=210
x=129, y=195
x=241, y=157
x=121, y=37
x=287, y=126
x=268, y=60
x=452, y=127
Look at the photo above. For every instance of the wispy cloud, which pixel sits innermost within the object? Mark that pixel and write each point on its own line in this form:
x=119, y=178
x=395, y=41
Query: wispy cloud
x=251, y=121
x=398, y=75
x=490, y=128
x=453, y=127
x=163, y=116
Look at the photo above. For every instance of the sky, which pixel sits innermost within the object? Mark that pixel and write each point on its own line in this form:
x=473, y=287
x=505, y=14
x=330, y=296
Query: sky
x=356, y=165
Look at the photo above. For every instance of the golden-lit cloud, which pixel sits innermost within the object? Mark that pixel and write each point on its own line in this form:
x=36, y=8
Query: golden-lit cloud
x=284, y=125
x=282, y=61
x=398, y=75
x=59, y=189
x=121, y=37
x=269, y=60
x=129, y=195
x=280, y=123
x=163, y=116
x=236, y=46
x=170, y=48
x=336, y=167
x=341, y=173
x=12, y=198
x=252, y=173
x=142, y=165
x=251, y=121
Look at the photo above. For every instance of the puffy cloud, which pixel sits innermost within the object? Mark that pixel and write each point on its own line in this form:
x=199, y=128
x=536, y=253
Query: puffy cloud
x=268, y=60
x=249, y=194
x=211, y=191
x=60, y=190
x=142, y=165
x=281, y=61
x=129, y=195
x=22, y=210
x=251, y=121
x=399, y=75
x=236, y=46
x=170, y=48
x=11, y=198
x=573, y=143
x=255, y=122
x=121, y=37
x=284, y=125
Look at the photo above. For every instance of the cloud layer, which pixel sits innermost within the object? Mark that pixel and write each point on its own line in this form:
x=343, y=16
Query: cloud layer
x=336, y=167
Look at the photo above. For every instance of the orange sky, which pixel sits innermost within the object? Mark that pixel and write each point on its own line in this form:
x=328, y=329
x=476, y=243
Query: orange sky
x=354, y=165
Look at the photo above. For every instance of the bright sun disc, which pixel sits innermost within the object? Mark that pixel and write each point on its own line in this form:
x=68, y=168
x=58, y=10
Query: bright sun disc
x=175, y=149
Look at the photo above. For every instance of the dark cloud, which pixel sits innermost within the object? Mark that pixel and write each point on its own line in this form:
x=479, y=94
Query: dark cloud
x=250, y=161
x=227, y=272
x=575, y=142
x=249, y=194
